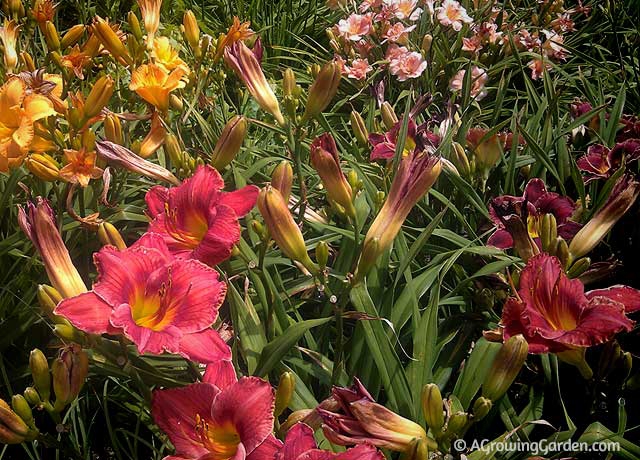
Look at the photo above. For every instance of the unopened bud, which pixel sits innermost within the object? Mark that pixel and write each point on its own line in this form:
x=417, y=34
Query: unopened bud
x=27, y=60
x=13, y=430
x=69, y=372
x=359, y=129
x=72, y=36
x=460, y=160
x=322, y=254
x=51, y=36
x=416, y=450
x=389, y=117
x=109, y=235
x=110, y=40
x=32, y=396
x=562, y=252
x=113, y=128
x=21, y=407
x=323, y=90
x=43, y=166
x=49, y=297
x=481, y=408
x=505, y=367
x=432, y=407
x=282, y=179
x=579, y=267
x=457, y=423
x=191, y=30
x=289, y=83
x=134, y=25
x=295, y=417
x=40, y=373
x=67, y=332
x=230, y=142
x=98, y=97
x=284, y=393
x=176, y=103
x=549, y=233
x=426, y=44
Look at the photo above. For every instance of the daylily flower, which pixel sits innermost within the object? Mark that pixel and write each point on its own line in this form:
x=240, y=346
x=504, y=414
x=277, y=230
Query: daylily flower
x=530, y=208
x=150, y=10
x=247, y=67
x=417, y=172
x=158, y=302
x=18, y=113
x=404, y=9
x=360, y=420
x=539, y=67
x=358, y=69
x=155, y=138
x=238, y=32
x=601, y=162
x=452, y=14
x=154, y=84
x=167, y=56
x=9, y=35
x=479, y=79
x=300, y=444
x=197, y=219
x=81, y=167
x=398, y=33
x=630, y=128
x=554, y=314
x=406, y=64
x=37, y=221
x=233, y=421
x=43, y=11
x=356, y=26
x=76, y=60
x=418, y=138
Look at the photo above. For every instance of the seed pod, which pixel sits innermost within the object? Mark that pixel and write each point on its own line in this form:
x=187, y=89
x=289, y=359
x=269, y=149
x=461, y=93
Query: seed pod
x=417, y=450
x=457, y=424
x=505, y=367
x=481, y=408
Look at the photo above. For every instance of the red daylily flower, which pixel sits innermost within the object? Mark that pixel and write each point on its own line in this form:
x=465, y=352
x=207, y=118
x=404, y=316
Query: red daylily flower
x=360, y=420
x=531, y=208
x=225, y=420
x=418, y=138
x=197, y=219
x=158, y=302
x=601, y=162
x=630, y=128
x=301, y=445
x=554, y=313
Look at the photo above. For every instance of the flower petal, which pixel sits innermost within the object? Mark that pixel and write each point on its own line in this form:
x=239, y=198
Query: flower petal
x=241, y=201
x=156, y=198
x=625, y=295
x=299, y=440
x=146, y=339
x=205, y=347
x=175, y=411
x=222, y=235
x=220, y=373
x=87, y=312
x=267, y=450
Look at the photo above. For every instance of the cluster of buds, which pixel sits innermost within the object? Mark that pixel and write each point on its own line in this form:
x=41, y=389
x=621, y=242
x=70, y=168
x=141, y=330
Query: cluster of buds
x=15, y=421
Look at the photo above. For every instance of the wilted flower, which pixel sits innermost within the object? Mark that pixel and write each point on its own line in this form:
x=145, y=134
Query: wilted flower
x=539, y=67
x=358, y=419
x=154, y=138
x=218, y=421
x=622, y=197
x=38, y=223
x=356, y=26
x=246, y=66
x=452, y=14
x=300, y=444
x=531, y=207
x=9, y=35
x=554, y=314
x=158, y=302
x=601, y=162
x=81, y=167
x=552, y=46
x=154, y=84
x=416, y=173
x=18, y=113
x=43, y=11
x=325, y=160
x=197, y=219
x=479, y=78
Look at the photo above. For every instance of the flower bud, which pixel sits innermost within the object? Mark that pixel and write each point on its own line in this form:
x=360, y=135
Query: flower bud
x=110, y=40
x=173, y=149
x=109, y=235
x=98, y=97
x=113, y=128
x=69, y=372
x=289, y=82
x=389, y=117
x=481, y=408
x=51, y=36
x=27, y=60
x=359, y=129
x=562, y=253
x=40, y=373
x=295, y=417
x=579, y=267
x=43, y=166
x=549, y=233
x=505, y=367
x=460, y=160
x=229, y=142
x=67, y=332
x=49, y=297
x=21, y=407
x=487, y=150
x=416, y=450
x=284, y=393
x=72, y=36
x=457, y=423
x=282, y=227
x=323, y=90
x=32, y=396
x=325, y=160
x=426, y=44
x=13, y=430
x=622, y=197
x=191, y=30
x=134, y=25
x=322, y=254
x=282, y=179
x=432, y=407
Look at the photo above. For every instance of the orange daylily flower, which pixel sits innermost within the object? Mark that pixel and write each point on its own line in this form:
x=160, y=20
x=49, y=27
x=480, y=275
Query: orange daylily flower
x=43, y=11
x=167, y=56
x=154, y=140
x=154, y=84
x=9, y=36
x=239, y=31
x=81, y=167
x=76, y=60
x=150, y=10
x=18, y=113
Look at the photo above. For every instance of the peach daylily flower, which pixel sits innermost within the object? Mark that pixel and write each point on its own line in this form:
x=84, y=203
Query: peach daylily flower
x=539, y=67
x=167, y=56
x=404, y=9
x=398, y=33
x=359, y=69
x=9, y=36
x=76, y=60
x=238, y=32
x=356, y=26
x=479, y=78
x=81, y=167
x=154, y=84
x=451, y=13
x=18, y=113
x=406, y=64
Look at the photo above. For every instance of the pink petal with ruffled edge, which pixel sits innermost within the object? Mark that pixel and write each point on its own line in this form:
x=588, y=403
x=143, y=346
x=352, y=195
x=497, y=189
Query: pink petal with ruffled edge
x=204, y=347
x=220, y=373
x=223, y=234
x=626, y=295
x=299, y=440
x=87, y=312
x=241, y=201
x=175, y=410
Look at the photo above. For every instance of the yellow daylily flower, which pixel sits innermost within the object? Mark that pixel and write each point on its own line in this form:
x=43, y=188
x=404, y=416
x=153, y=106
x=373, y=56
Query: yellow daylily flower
x=154, y=84
x=9, y=36
x=167, y=56
x=81, y=167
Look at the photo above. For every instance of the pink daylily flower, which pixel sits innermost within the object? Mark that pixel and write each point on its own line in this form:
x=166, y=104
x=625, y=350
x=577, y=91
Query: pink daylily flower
x=405, y=64
x=356, y=26
x=158, y=302
x=452, y=14
x=398, y=33
x=301, y=445
x=479, y=79
x=359, y=69
x=554, y=313
x=228, y=421
x=197, y=219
